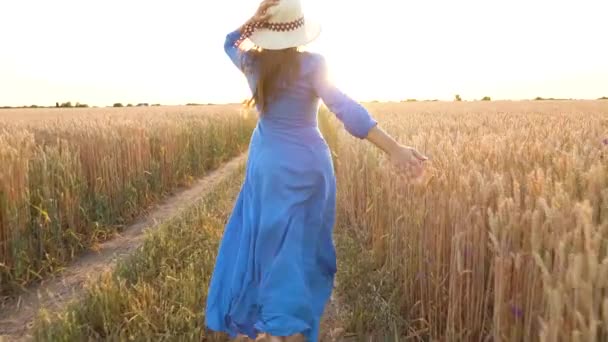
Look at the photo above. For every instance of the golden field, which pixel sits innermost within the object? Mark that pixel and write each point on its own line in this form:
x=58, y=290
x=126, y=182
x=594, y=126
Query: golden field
x=159, y=292
x=504, y=239
x=72, y=177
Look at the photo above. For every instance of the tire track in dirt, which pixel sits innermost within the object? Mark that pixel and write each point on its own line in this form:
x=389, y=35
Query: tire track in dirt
x=17, y=316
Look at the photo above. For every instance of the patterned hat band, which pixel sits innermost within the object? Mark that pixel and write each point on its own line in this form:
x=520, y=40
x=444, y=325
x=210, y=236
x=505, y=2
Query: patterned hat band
x=250, y=28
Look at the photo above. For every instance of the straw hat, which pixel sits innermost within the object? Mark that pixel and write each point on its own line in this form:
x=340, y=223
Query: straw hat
x=286, y=28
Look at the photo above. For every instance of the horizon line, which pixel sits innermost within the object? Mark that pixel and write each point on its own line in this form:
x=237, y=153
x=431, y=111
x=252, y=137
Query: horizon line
x=76, y=105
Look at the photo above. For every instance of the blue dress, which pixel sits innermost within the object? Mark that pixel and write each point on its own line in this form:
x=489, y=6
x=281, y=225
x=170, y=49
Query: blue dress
x=276, y=264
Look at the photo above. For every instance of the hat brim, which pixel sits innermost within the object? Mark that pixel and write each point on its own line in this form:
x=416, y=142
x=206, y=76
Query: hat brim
x=273, y=40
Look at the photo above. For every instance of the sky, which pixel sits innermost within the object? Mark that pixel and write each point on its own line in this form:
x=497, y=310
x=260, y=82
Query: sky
x=171, y=52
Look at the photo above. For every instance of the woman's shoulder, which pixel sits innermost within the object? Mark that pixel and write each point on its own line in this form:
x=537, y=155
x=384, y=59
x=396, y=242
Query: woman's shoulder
x=312, y=61
x=313, y=57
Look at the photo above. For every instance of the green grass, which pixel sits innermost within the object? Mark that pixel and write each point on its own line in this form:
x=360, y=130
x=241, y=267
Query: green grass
x=369, y=296
x=157, y=294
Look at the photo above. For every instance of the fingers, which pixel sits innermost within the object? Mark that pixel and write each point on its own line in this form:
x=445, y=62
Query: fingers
x=262, y=17
x=419, y=155
x=412, y=169
x=267, y=4
x=410, y=174
x=410, y=163
x=417, y=170
x=262, y=13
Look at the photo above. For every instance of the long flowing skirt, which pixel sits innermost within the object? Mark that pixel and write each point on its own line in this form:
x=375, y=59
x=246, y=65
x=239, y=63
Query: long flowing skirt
x=276, y=264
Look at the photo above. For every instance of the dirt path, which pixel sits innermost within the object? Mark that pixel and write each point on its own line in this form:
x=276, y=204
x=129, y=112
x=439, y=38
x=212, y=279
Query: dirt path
x=16, y=317
x=332, y=329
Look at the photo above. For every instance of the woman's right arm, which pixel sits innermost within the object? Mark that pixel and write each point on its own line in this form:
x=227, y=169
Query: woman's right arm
x=238, y=56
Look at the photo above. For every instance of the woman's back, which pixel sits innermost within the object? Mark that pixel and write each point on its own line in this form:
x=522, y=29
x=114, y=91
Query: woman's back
x=296, y=103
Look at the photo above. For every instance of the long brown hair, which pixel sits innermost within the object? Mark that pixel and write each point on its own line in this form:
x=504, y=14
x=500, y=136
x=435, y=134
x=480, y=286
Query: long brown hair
x=276, y=69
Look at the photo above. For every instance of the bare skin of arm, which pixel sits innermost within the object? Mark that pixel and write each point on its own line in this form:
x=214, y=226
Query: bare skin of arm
x=406, y=158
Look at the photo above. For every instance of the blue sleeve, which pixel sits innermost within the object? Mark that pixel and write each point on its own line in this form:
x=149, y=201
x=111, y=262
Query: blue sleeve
x=237, y=56
x=356, y=119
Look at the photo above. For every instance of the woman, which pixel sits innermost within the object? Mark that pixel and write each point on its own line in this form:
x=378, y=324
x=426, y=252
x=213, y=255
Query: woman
x=276, y=263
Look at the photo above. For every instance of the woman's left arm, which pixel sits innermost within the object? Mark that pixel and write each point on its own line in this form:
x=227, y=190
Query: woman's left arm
x=406, y=158
x=237, y=56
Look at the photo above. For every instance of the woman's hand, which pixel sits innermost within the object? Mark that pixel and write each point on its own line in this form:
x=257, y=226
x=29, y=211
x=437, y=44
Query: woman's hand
x=408, y=160
x=405, y=158
x=262, y=14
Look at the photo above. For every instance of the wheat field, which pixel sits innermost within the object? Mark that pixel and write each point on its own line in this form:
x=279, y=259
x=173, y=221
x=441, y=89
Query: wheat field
x=70, y=178
x=504, y=239
x=159, y=292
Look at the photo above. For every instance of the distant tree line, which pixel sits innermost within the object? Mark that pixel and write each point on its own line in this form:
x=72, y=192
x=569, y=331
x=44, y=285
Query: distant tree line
x=548, y=99
x=69, y=105
x=457, y=98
